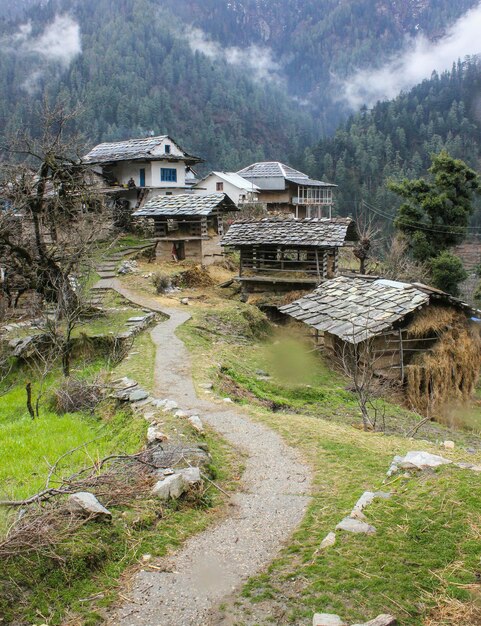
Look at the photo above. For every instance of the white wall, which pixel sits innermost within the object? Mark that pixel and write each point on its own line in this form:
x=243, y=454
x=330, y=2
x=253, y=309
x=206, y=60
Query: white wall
x=210, y=186
x=131, y=169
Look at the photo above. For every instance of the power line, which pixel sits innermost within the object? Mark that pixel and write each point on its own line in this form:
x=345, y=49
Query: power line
x=419, y=225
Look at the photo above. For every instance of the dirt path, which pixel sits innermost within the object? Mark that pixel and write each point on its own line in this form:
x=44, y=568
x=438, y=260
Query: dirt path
x=215, y=563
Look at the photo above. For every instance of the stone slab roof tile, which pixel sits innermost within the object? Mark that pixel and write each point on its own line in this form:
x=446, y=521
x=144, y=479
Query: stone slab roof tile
x=313, y=233
x=186, y=204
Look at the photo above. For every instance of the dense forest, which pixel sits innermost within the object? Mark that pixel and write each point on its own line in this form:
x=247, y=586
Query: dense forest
x=234, y=81
x=396, y=139
x=136, y=74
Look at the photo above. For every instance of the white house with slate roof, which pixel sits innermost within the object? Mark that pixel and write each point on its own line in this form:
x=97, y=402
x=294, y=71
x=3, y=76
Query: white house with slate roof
x=282, y=188
x=140, y=169
x=240, y=190
x=188, y=226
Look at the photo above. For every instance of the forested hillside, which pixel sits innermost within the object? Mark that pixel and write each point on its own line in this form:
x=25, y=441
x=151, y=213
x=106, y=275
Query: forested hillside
x=395, y=139
x=132, y=71
x=235, y=81
x=315, y=44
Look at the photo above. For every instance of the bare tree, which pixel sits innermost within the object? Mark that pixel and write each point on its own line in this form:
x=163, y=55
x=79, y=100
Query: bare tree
x=51, y=213
x=368, y=233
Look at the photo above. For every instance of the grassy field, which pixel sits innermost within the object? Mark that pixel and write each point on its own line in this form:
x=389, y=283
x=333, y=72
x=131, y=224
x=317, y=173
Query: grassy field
x=79, y=583
x=423, y=563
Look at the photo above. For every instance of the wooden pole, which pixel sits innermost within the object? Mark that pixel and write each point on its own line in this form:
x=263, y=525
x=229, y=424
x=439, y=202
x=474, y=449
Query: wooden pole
x=317, y=266
x=401, y=354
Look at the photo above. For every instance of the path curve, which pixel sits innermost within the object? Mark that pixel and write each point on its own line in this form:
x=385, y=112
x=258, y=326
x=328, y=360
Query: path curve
x=215, y=563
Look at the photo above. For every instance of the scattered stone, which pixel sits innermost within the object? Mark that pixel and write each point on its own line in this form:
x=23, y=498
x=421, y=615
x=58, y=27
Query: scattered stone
x=196, y=423
x=191, y=475
x=327, y=619
x=262, y=373
x=449, y=445
x=150, y=416
x=146, y=558
x=170, y=487
x=167, y=472
x=184, y=301
x=351, y=525
x=160, y=404
x=155, y=434
x=86, y=504
x=366, y=499
x=206, y=386
x=328, y=541
x=170, y=405
x=227, y=400
x=127, y=267
x=138, y=395
x=380, y=620
x=416, y=460
x=173, y=452
x=136, y=320
x=181, y=414
x=471, y=450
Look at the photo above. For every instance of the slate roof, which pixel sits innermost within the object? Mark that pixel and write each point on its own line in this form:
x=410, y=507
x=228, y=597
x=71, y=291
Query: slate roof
x=133, y=149
x=275, y=169
x=356, y=309
x=186, y=204
x=315, y=233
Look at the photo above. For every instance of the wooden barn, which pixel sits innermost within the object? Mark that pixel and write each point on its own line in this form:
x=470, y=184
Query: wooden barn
x=422, y=337
x=187, y=226
x=286, y=254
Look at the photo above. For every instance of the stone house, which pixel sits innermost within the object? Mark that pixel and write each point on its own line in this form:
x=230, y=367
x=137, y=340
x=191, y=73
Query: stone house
x=422, y=337
x=281, y=254
x=188, y=227
x=282, y=188
x=240, y=190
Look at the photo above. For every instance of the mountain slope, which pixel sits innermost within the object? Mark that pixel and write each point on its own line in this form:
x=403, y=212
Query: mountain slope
x=396, y=139
x=136, y=74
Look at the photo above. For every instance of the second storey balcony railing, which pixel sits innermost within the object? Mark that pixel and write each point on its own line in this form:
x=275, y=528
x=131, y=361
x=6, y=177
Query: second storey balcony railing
x=313, y=195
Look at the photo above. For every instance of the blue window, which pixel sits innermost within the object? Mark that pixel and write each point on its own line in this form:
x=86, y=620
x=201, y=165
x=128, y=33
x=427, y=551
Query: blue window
x=168, y=174
x=167, y=148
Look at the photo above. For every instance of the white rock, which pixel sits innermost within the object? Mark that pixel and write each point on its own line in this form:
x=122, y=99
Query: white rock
x=380, y=620
x=184, y=301
x=327, y=619
x=146, y=558
x=365, y=500
x=196, y=423
x=191, y=475
x=206, y=385
x=170, y=405
x=155, y=434
x=86, y=503
x=182, y=414
x=227, y=400
x=170, y=487
x=394, y=467
x=449, y=445
x=355, y=526
x=158, y=403
x=422, y=460
x=328, y=541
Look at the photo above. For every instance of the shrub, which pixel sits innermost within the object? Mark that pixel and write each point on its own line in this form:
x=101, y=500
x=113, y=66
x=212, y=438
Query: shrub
x=161, y=282
x=75, y=394
x=447, y=272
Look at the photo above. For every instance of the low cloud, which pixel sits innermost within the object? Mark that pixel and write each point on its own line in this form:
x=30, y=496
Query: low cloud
x=57, y=46
x=257, y=60
x=420, y=58
x=60, y=41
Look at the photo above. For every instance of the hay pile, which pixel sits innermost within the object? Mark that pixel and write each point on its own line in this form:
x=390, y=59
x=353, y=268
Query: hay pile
x=197, y=276
x=449, y=372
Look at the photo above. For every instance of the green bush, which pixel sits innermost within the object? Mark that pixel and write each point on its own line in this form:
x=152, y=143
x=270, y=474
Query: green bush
x=447, y=272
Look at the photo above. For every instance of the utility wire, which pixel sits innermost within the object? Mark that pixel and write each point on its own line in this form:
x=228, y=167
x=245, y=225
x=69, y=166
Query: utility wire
x=419, y=225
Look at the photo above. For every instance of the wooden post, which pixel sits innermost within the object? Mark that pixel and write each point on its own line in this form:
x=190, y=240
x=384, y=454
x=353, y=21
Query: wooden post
x=317, y=266
x=240, y=261
x=401, y=354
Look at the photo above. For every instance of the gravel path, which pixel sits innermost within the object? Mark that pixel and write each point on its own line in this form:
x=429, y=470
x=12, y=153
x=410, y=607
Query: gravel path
x=215, y=563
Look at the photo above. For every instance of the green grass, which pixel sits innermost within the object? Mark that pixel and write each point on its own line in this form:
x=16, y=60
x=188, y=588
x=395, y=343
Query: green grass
x=426, y=552
x=139, y=364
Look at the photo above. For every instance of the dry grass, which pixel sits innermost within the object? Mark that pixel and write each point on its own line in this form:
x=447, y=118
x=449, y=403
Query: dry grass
x=449, y=373
x=433, y=320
